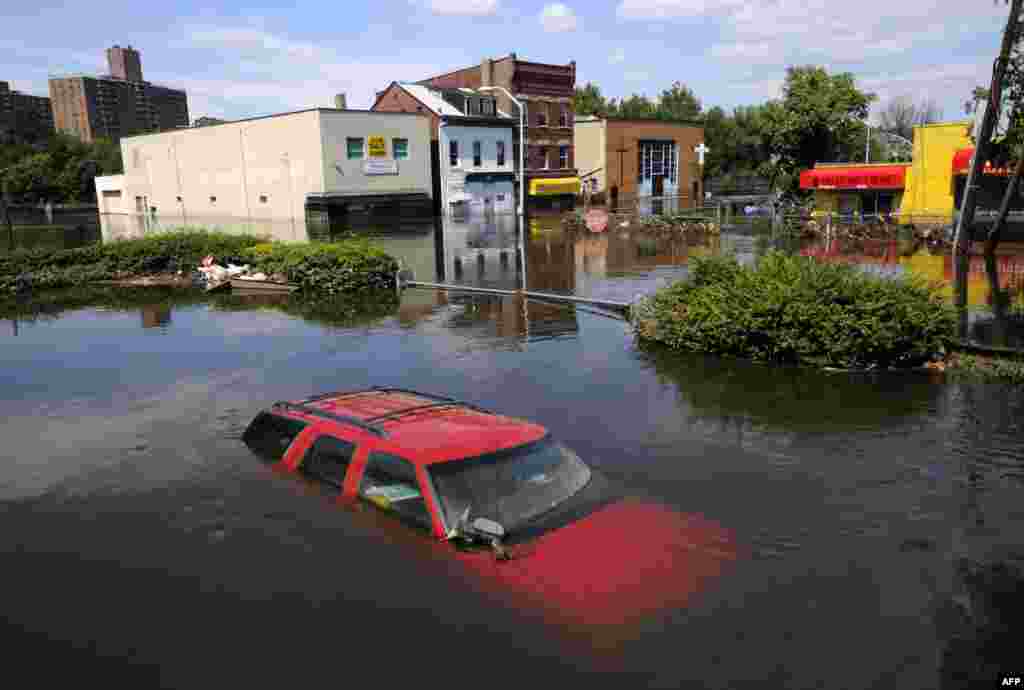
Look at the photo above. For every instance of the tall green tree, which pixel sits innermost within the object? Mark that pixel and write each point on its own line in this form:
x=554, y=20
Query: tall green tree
x=678, y=103
x=818, y=118
x=64, y=171
x=589, y=101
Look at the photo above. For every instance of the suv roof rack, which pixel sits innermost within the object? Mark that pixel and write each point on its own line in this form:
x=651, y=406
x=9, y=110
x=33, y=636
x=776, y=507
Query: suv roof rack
x=369, y=424
x=324, y=414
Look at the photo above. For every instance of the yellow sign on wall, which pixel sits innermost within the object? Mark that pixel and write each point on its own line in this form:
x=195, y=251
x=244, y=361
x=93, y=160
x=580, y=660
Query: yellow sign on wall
x=377, y=148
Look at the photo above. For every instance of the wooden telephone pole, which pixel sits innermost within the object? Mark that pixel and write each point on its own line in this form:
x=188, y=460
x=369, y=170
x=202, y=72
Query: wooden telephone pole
x=962, y=238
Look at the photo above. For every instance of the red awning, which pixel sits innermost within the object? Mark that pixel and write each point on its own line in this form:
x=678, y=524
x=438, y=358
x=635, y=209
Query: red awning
x=854, y=177
x=962, y=163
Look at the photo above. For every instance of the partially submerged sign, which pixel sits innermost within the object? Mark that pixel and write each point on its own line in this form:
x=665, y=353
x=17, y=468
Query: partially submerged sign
x=597, y=220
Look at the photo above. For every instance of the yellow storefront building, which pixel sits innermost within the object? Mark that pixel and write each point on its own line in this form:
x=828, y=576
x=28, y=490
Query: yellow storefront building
x=922, y=190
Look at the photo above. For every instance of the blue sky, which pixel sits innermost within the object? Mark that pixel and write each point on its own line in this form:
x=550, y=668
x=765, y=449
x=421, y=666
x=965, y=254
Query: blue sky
x=253, y=58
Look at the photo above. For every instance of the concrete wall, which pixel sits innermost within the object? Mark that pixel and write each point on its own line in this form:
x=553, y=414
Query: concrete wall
x=591, y=149
x=259, y=172
x=929, y=180
x=344, y=175
x=259, y=168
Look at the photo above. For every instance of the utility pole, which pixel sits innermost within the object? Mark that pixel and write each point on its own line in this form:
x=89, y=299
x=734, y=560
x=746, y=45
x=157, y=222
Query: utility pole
x=962, y=238
x=867, y=140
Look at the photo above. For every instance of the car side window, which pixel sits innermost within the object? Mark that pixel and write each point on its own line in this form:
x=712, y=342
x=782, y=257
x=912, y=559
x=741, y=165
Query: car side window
x=389, y=482
x=327, y=460
x=269, y=435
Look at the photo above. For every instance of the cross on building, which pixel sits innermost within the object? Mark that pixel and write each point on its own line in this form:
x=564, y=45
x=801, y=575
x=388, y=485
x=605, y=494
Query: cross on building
x=700, y=151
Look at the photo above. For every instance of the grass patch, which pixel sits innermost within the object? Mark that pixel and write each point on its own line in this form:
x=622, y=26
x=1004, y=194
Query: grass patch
x=346, y=266
x=794, y=309
x=986, y=368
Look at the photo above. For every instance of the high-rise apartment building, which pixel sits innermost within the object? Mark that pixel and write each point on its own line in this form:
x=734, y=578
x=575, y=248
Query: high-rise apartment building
x=23, y=118
x=118, y=104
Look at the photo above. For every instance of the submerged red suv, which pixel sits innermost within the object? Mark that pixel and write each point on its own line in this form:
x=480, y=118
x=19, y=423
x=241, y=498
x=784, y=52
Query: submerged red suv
x=517, y=507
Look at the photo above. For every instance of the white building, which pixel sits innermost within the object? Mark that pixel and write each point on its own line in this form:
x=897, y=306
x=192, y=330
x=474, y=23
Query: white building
x=477, y=147
x=264, y=173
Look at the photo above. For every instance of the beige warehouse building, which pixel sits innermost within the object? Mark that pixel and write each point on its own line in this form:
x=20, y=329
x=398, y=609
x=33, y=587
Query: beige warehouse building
x=270, y=174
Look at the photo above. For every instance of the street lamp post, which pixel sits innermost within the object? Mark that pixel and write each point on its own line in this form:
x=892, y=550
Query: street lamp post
x=522, y=144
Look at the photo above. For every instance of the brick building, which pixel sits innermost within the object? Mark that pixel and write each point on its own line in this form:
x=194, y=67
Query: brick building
x=118, y=104
x=636, y=160
x=23, y=118
x=547, y=92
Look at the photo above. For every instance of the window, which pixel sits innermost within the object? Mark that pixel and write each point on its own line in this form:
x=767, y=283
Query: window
x=542, y=118
x=501, y=154
x=354, y=147
x=263, y=198
x=563, y=118
x=270, y=435
x=328, y=460
x=116, y=194
x=563, y=157
x=179, y=199
x=213, y=199
x=499, y=197
x=400, y=148
x=544, y=158
x=487, y=106
x=453, y=153
x=515, y=154
x=477, y=154
x=389, y=482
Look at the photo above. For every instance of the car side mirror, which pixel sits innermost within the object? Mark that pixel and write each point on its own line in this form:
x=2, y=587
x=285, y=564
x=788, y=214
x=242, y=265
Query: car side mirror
x=487, y=528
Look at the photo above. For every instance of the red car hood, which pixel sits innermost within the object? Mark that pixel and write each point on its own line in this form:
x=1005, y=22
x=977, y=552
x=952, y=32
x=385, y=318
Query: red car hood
x=626, y=561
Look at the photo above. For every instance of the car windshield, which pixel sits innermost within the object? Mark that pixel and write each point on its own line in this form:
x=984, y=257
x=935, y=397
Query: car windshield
x=512, y=486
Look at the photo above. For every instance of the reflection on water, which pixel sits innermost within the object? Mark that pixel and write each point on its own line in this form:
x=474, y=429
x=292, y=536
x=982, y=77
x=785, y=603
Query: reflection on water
x=492, y=251
x=890, y=503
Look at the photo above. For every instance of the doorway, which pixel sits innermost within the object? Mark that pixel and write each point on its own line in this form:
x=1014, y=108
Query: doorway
x=658, y=186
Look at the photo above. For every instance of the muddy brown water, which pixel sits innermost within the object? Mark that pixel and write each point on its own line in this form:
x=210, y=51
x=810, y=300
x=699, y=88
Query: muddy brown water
x=878, y=518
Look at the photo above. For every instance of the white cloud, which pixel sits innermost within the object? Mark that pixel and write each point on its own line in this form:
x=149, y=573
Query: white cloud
x=464, y=8
x=255, y=72
x=668, y=9
x=617, y=57
x=556, y=18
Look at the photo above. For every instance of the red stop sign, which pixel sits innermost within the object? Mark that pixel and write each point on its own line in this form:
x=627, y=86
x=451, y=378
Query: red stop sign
x=597, y=220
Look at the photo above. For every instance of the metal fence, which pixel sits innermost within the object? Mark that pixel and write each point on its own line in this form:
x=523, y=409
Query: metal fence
x=53, y=227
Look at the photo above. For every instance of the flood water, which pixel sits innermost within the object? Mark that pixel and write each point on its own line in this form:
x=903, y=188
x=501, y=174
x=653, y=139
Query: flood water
x=876, y=518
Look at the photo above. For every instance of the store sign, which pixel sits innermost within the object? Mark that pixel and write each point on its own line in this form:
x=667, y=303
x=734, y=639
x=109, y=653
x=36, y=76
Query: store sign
x=376, y=147
x=380, y=167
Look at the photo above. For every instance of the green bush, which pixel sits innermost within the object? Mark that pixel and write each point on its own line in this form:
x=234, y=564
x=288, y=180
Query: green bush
x=352, y=265
x=794, y=309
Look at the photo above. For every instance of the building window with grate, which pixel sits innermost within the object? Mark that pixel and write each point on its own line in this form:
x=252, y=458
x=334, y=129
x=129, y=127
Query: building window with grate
x=563, y=157
x=477, y=154
x=563, y=118
x=453, y=153
x=354, y=147
x=501, y=154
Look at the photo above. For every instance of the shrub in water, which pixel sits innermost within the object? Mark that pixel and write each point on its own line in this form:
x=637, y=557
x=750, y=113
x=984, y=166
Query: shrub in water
x=352, y=265
x=794, y=309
